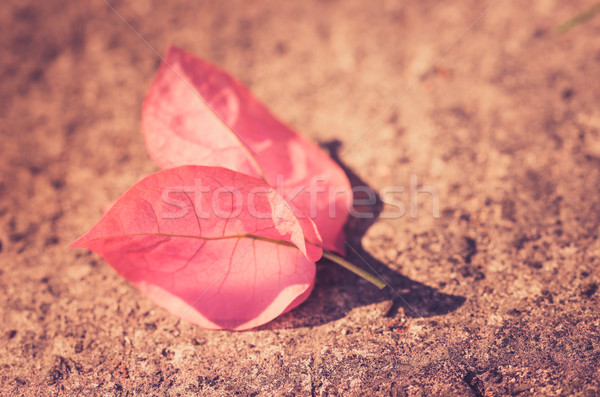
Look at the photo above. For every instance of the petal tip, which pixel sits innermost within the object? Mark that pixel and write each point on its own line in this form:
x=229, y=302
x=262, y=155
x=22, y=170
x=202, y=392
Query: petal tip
x=79, y=243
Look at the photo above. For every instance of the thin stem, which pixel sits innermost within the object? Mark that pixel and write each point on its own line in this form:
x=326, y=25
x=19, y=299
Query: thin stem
x=376, y=281
x=379, y=283
x=579, y=19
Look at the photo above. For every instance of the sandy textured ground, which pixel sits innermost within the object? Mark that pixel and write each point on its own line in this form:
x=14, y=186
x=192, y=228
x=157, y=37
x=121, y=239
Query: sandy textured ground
x=498, y=296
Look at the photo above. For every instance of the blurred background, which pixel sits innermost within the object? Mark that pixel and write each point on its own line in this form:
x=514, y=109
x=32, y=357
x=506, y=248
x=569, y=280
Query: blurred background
x=494, y=104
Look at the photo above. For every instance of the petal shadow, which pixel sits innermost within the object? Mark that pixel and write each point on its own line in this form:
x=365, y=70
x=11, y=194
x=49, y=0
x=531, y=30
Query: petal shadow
x=337, y=291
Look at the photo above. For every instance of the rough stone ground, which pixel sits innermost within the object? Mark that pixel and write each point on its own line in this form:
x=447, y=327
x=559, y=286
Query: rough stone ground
x=498, y=296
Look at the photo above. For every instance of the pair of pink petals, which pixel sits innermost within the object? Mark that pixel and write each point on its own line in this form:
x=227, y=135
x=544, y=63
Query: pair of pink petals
x=228, y=233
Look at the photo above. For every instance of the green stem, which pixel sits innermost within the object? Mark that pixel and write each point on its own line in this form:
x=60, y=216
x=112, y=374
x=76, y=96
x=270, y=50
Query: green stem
x=376, y=281
x=579, y=19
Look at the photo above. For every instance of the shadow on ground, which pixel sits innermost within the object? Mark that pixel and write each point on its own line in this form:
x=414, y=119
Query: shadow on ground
x=337, y=291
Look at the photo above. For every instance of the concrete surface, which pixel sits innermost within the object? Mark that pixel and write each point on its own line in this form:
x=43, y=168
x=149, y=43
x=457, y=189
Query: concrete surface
x=498, y=296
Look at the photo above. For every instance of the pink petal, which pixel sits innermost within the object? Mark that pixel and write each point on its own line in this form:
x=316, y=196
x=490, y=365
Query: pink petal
x=209, y=249
x=181, y=128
